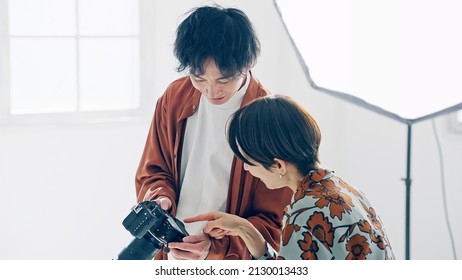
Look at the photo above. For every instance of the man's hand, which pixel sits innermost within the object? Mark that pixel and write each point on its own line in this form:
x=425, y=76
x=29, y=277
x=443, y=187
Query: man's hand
x=164, y=202
x=194, y=247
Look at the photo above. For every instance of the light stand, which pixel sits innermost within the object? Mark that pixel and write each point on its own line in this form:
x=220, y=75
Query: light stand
x=407, y=182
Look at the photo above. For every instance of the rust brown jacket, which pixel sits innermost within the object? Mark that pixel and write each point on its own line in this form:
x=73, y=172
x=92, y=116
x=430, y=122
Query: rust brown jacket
x=158, y=173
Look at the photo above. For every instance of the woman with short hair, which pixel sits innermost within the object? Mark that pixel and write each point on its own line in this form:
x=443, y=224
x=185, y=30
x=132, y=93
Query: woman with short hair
x=278, y=141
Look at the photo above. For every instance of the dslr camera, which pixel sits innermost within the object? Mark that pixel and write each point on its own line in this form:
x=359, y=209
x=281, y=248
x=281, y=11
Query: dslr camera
x=153, y=228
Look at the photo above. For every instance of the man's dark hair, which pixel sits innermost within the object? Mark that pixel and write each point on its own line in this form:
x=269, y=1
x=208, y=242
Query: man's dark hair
x=275, y=127
x=225, y=35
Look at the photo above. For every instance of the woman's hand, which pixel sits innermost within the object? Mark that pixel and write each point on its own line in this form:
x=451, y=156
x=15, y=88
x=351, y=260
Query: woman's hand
x=221, y=224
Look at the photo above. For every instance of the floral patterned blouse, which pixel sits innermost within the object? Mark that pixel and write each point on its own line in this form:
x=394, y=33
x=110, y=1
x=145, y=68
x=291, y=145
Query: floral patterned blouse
x=329, y=219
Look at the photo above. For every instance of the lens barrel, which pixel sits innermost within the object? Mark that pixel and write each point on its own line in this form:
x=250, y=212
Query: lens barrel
x=139, y=249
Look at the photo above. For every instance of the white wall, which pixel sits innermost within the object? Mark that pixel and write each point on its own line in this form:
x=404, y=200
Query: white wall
x=65, y=189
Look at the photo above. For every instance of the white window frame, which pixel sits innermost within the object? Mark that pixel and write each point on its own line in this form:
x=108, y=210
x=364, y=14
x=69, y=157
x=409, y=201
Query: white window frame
x=144, y=110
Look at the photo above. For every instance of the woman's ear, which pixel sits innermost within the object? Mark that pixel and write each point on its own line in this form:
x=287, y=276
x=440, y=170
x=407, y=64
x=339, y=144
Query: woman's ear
x=280, y=166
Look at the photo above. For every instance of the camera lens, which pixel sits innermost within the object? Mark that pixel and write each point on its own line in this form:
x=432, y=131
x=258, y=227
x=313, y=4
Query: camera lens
x=139, y=249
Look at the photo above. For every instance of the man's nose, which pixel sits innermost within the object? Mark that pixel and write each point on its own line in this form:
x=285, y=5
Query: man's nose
x=212, y=91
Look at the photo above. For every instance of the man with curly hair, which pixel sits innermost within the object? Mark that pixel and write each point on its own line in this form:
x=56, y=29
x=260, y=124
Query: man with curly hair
x=187, y=165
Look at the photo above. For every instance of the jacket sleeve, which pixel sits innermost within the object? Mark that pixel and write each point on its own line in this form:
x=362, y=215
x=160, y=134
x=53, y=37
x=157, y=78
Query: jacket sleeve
x=264, y=209
x=154, y=176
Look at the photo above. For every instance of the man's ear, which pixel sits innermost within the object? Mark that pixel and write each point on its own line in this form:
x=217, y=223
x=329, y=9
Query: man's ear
x=280, y=166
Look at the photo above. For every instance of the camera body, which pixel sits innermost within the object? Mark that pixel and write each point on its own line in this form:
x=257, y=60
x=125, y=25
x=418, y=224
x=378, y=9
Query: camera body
x=153, y=228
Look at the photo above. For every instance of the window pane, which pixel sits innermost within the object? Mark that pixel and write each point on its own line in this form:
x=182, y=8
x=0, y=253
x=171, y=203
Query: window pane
x=109, y=74
x=43, y=75
x=42, y=17
x=108, y=17
x=459, y=116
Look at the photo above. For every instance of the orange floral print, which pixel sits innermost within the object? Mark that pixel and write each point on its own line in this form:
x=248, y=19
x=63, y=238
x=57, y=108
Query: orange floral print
x=321, y=228
x=350, y=188
x=308, y=247
x=357, y=247
x=318, y=175
x=301, y=192
x=326, y=210
x=288, y=231
x=307, y=181
x=329, y=194
x=372, y=216
x=365, y=226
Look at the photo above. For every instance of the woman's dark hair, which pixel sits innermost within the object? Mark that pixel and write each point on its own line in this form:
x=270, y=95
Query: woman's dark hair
x=275, y=127
x=225, y=35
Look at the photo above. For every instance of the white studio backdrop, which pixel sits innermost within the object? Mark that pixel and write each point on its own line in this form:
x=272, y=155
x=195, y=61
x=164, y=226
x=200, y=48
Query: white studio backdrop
x=64, y=189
